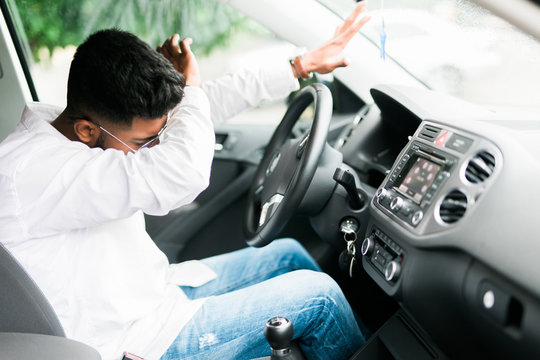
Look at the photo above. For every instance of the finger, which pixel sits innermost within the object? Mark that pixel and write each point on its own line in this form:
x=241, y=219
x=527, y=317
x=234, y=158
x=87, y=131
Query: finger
x=351, y=31
x=164, y=45
x=351, y=19
x=345, y=62
x=173, y=44
x=340, y=62
x=338, y=31
x=358, y=10
x=167, y=42
x=165, y=52
x=185, y=45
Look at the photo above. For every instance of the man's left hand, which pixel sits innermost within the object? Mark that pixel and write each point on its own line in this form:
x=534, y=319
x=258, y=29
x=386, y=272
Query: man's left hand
x=180, y=55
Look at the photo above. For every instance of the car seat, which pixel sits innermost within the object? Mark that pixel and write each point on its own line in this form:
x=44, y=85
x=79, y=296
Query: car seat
x=29, y=327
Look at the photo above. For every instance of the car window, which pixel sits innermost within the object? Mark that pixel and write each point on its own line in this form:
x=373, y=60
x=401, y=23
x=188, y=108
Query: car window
x=456, y=47
x=404, y=30
x=224, y=39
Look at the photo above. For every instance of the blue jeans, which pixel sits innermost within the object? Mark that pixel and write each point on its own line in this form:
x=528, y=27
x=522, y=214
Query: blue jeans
x=254, y=285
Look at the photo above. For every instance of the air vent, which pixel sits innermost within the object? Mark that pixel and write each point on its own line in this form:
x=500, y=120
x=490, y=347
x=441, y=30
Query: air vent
x=429, y=133
x=453, y=207
x=480, y=167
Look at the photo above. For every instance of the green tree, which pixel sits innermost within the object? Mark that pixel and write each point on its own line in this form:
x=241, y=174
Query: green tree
x=51, y=23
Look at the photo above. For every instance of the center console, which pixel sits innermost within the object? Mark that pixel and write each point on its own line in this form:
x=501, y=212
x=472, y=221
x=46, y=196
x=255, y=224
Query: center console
x=411, y=187
x=432, y=185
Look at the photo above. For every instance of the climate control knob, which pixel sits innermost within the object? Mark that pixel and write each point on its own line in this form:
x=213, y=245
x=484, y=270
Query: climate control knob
x=392, y=271
x=396, y=204
x=381, y=194
x=417, y=217
x=367, y=246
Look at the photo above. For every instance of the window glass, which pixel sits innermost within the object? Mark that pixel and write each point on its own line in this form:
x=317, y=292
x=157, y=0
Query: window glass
x=457, y=47
x=224, y=40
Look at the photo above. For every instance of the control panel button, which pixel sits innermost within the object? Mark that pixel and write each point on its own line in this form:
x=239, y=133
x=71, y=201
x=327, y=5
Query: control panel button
x=406, y=211
x=381, y=193
x=459, y=143
x=367, y=246
x=396, y=204
x=392, y=271
x=417, y=217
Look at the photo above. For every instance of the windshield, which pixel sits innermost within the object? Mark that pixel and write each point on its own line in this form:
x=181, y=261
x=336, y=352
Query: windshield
x=455, y=46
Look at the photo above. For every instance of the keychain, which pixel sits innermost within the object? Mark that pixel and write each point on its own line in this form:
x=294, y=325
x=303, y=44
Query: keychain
x=347, y=258
x=351, y=250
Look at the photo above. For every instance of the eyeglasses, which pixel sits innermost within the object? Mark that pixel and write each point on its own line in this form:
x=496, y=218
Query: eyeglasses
x=150, y=143
x=147, y=144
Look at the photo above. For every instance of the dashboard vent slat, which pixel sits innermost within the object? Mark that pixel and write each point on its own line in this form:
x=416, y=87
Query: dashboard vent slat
x=453, y=207
x=480, y=167
x=429, y=133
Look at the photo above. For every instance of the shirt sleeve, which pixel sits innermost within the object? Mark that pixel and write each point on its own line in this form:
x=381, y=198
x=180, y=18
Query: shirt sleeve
x=236, y=92
x=70, y=186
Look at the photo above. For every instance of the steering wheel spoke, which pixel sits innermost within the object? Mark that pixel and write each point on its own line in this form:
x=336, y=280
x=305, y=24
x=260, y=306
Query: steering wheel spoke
x=302, y=146
x=269, y=207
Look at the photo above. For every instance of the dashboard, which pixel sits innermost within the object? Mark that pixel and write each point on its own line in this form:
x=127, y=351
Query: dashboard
x=449, y=222
x=437, y=178
x=452, y=227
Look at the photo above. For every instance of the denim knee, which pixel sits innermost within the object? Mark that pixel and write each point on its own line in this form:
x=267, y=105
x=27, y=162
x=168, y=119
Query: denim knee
x=286, y=245
x=320, y=285
x=331, y=289
x=293, y=250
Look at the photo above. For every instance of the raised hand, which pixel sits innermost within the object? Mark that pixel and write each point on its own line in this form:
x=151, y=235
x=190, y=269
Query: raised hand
x=182, y=58
x=328, y=56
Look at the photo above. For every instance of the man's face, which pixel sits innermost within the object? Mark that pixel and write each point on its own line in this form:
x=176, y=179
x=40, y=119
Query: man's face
x=143, y=132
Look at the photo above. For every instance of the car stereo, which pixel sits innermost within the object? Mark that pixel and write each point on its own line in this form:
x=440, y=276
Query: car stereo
x=414, y=180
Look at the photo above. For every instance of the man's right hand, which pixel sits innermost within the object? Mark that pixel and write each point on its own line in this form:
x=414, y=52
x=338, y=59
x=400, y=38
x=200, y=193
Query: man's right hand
x=182, y=58
x=327, y=57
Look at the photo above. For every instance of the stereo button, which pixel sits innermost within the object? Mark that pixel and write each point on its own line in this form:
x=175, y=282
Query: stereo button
x=396, y=204
x=406, y=211
x=417, y=217
x=367, y=246
x=381, y=194
x=392, y=271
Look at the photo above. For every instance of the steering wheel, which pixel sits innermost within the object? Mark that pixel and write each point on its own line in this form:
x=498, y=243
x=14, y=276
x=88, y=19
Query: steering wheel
x=287, y=167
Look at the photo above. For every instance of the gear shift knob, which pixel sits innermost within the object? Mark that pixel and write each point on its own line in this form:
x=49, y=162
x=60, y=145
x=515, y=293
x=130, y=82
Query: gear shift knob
x=279, y=332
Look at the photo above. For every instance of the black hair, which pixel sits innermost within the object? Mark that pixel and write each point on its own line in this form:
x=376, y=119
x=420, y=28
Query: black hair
x=118, y=76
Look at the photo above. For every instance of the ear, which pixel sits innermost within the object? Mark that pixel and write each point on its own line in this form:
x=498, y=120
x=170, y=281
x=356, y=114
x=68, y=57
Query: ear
x=86, y=132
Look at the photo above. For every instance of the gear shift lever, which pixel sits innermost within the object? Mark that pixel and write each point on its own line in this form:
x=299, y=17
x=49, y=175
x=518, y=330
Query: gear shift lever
x=279, y=332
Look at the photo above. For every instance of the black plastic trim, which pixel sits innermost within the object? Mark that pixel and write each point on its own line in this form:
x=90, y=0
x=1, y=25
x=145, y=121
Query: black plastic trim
x=19, y=49
x=192, y=223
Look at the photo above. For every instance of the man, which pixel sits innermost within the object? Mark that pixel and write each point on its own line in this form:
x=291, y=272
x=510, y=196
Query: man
x=75, y=183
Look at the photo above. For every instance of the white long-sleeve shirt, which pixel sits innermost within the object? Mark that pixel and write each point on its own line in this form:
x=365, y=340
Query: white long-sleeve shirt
x=73, y=215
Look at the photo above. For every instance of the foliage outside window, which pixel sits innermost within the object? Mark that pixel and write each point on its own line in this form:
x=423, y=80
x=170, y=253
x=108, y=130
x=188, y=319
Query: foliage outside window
x=59, y=23
x=223, y=38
